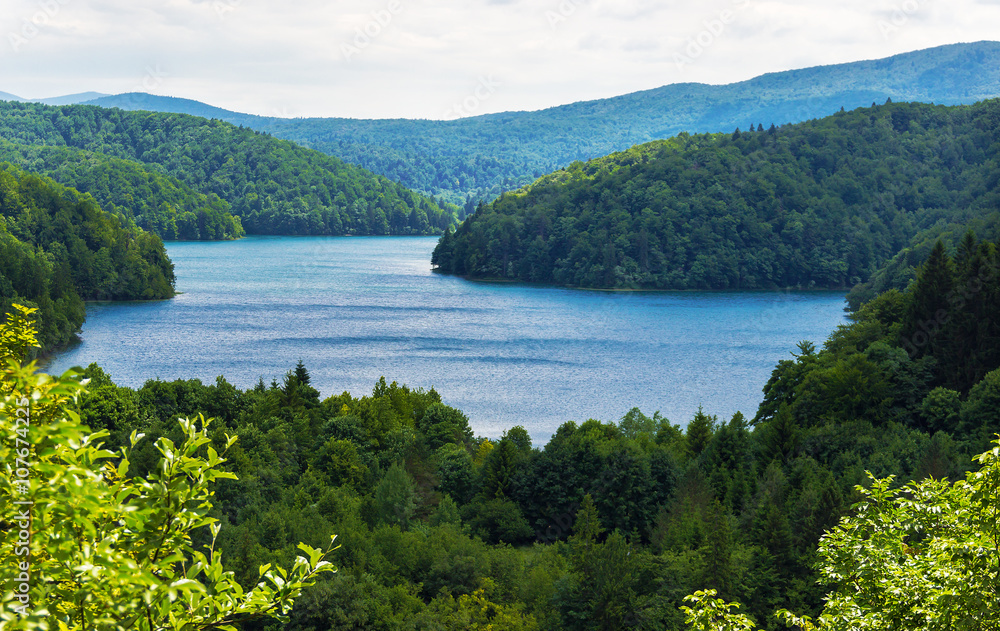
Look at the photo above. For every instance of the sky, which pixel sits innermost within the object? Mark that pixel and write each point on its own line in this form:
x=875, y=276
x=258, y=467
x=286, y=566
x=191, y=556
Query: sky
x=444, y=60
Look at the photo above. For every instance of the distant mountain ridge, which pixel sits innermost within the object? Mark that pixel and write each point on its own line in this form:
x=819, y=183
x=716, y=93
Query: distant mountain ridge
x=68, y=99
x=467, y=159
x=71, y=99
x=141, y=101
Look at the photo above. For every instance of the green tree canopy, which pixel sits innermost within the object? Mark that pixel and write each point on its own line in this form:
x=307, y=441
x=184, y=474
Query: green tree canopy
x=85, y=546
x=820, y=204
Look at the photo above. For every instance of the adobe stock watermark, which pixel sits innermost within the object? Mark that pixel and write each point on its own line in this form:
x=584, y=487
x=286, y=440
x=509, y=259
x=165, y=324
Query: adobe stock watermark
x=21, y=587
x=223, y=8
x=366, y=34
x=562, y=13
x=715, y=28
x=468, y=106
x=899, y=17
x=32, y=26
x=152, y=79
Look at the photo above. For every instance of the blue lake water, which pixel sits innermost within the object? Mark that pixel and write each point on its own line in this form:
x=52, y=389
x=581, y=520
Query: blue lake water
x=354, y=309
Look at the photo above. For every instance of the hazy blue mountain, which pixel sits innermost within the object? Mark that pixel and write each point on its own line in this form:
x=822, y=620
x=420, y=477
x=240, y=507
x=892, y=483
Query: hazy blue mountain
x=135, y=101
x=71, y=99
x=482, y=155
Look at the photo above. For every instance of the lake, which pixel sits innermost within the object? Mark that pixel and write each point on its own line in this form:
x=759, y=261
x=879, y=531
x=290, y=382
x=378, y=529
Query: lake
x=357, y=308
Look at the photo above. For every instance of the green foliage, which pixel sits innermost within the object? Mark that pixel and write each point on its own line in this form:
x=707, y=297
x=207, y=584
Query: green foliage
x=907, y=358
x=917, y=557
x=95, y=548
x=929, y=302
x=587, y=527
x=443, y=425
x=455, y=474
x=498, y=520
x=476, y=612
x=58, y=248
x=272, y=186
x=151, y=200
x=394, y=498
x=980, y=415
x=709, y=613
x=446, y=513
x=18, y=335
x=699, y=431
x=499, y=470
x=821, y=204
x=940, y=409
x=920, y=556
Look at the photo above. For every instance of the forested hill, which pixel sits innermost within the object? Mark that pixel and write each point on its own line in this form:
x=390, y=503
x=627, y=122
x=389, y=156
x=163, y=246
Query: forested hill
x=156, y=202
x=818, y=204
x=58, y=248
x=480, y=156
x=274, y=186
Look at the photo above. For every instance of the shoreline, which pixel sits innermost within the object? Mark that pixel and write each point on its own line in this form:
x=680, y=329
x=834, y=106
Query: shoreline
x=507, y=281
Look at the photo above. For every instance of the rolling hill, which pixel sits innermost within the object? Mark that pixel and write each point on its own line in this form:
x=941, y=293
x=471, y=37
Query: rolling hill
x=481, y=156
x=138, y=194
x=274, y=186
x=820, y=204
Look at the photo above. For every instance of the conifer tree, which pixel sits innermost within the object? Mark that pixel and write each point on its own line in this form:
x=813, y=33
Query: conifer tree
x=499, y=470
x=587, y=527
x=394, y=497
x=700, y=431
x=923, y=328
x=719, y=571
x=779, y=436
x=966, y=251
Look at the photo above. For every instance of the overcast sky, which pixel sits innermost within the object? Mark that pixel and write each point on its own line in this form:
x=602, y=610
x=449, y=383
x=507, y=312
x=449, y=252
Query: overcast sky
x=423, y=59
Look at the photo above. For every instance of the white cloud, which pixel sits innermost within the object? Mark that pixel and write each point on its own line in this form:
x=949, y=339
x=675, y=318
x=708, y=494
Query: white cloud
x=358, y=58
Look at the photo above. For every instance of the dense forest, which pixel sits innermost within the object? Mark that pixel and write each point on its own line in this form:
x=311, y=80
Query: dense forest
x=274, y=186
x=158, y=203
x=819, y=204
x=479, y=157
x=58, y=248
x=610, y=524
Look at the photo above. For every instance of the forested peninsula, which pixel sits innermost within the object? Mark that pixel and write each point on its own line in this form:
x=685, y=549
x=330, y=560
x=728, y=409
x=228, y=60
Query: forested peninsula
x=58, y=248
x=610, y=524
x=820, y=204
x=272, y=186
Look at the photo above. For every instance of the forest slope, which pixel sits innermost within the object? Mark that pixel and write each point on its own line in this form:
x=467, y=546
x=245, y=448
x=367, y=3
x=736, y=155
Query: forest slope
x=818, y=204
x=274, y=186
x=159, y=203
x=58, y=248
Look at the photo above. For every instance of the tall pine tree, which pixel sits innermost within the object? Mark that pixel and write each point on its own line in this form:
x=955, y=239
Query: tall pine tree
x=924, y=328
